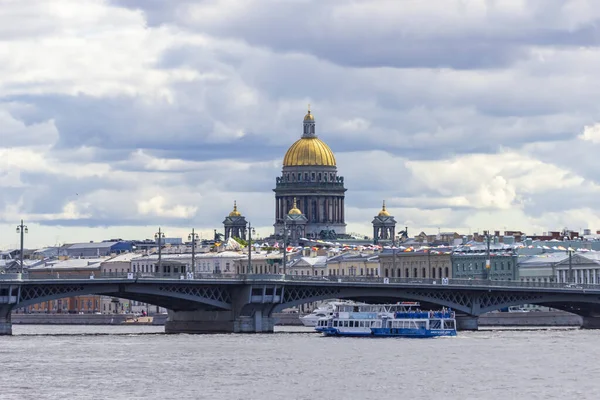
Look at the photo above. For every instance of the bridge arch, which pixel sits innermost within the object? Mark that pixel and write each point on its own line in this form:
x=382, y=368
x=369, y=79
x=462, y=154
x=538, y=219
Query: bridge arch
x=170, y=296
x=295, y=296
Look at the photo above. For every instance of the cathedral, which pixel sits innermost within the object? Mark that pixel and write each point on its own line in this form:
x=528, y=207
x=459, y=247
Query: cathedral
x=309, y=196
x=310, y=186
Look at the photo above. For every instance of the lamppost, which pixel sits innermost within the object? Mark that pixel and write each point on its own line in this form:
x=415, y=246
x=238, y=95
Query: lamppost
x=22, y=229
x=193, y=237
x=159, y=236
x=250, y=232
x=488, y=264
x=429, y=261
x=285, y=235
x=570, y=253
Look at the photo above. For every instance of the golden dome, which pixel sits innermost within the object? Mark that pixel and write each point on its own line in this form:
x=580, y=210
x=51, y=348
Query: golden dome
x=309, y=117
x=235, y=212
x=383, y=212
x=309, y=151
x=294, y=210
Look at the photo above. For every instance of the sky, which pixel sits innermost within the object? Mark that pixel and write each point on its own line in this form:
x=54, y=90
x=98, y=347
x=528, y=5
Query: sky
x=118, y=117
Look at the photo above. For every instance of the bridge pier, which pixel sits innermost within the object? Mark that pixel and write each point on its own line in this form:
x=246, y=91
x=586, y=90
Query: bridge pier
x=467, y=323
x=217, y=322
x=590, y=323
x=5, y=320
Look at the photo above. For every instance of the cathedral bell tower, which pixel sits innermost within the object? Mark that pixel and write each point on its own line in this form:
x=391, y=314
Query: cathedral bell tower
x=384, y=226
x=235, y=224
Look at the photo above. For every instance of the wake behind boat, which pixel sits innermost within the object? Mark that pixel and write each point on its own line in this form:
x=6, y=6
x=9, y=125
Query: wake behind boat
x=384, y=320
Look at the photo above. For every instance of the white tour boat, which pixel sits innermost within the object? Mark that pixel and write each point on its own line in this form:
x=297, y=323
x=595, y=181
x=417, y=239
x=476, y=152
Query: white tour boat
x=383, y=320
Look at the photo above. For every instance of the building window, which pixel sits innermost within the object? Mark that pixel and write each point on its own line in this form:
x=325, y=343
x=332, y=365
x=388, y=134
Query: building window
x=447, y=274
x=424, y=273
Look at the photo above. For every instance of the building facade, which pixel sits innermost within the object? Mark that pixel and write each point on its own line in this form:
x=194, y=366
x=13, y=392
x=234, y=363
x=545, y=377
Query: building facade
x=503, y=266
x=309, y=174
x=353, y=264
x=427, y=263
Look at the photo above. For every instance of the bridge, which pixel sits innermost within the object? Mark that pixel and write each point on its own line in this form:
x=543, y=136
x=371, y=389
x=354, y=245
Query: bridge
x=245, y=303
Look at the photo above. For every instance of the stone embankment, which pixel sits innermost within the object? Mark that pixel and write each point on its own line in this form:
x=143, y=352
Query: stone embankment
x=87, y=319
x=547, y=318
x=551, y=318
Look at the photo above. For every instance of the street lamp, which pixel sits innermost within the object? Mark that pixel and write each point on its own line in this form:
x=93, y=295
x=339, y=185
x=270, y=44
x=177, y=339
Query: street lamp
x=488, y=263
x=193, y=237
x=22, y=229
x=570, y=253
x=159, y=236
x=285, y=235
x=250, y=232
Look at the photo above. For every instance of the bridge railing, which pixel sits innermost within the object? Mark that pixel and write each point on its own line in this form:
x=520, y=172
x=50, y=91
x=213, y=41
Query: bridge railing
x=129, y=276
x=442, y=282
x=330, y=279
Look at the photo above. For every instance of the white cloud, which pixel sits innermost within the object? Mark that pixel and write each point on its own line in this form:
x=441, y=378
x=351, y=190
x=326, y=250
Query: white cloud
x=159, y=114
x=591, y=134
x=157, y=206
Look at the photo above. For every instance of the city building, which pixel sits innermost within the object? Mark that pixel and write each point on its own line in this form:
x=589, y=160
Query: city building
x=353, y=264
x=99, y=249
x=540, y=268
x=309, y=175
x=579, y=268
x=419, y=263
x=311, y=266
x=472, y=263
x=262, y=263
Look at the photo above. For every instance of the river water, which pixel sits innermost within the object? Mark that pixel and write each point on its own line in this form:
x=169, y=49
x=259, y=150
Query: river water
x=138, y=362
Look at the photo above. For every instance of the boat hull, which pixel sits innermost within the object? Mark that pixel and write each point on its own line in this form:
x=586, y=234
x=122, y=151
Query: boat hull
x=387, y=332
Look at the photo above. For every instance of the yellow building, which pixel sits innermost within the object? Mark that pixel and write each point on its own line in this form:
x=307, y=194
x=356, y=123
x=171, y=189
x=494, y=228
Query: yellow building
x=433, y=264
x=353, y=264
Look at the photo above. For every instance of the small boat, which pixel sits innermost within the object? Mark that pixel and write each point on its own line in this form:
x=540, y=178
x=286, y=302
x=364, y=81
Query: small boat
x=387, y=320
x=312, y=318
x=325, y=310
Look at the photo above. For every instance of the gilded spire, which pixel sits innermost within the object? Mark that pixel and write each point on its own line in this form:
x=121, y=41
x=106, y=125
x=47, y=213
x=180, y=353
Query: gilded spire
x=235, y=212
x=309, y=117
x=383, y=212
x=294, y=210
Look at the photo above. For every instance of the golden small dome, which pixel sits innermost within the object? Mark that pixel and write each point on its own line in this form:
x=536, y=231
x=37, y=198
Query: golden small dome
x=309, y=151
x=294, y=210
x=309, y=117
x=383, y=212
x=235, y=212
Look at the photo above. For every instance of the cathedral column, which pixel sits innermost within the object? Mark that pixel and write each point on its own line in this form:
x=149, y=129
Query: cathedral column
x=335, y=209
x=277, y=208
